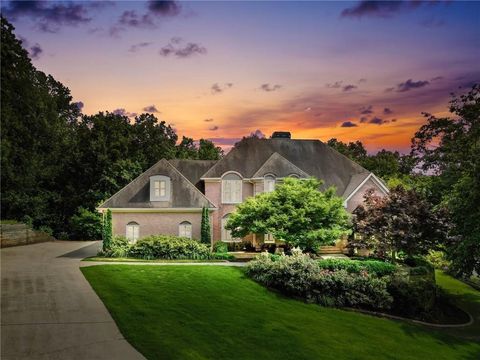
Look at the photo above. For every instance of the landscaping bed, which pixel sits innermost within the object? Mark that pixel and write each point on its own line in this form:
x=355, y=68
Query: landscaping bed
x=207, y=312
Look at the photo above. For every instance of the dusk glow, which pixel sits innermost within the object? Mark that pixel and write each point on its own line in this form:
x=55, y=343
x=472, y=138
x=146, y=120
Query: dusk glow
x=222, y=70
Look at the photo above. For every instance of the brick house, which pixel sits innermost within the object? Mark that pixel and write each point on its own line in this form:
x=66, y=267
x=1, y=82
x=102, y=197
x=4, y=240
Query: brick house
x=168, y=198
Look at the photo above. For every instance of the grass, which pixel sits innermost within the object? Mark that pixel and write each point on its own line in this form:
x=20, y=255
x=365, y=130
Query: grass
x=128, y=259
x=213, y=312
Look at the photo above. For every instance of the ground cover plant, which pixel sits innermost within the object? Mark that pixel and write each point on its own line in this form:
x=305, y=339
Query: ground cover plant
x=207, y=312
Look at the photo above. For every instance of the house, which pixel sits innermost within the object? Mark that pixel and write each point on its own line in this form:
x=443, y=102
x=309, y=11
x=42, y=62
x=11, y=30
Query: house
x=168, y=198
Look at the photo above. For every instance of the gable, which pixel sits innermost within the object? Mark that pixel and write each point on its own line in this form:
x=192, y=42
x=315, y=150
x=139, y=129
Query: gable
x=137, y=193
x=277, y=165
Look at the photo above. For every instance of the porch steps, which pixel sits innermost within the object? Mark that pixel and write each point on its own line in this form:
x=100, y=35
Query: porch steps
x=330, y=250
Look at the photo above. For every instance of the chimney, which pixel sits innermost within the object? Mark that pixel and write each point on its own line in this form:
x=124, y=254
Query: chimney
x=281, y=135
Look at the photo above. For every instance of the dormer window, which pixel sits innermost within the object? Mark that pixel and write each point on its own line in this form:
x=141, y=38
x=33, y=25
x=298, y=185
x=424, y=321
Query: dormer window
x=160, y=188
x=231, y=189
x=269, y=183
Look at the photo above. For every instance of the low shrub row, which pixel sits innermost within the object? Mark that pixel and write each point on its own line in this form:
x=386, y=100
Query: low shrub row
x=163, y=247
x=368, y=284
x=300, y=276
x=374, y=267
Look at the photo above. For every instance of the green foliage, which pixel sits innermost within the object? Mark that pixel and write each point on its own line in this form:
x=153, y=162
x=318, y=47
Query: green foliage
x=300, y=276
x=46, y=230
x=450, y=147
x=107, y=231
x=373, y=267
x=119, y=247
x=401, y=222
x=205, y=233
x=86, y=225
x=169, y=247
x=206, y=150
x=438, y=259
x=296, y=212
x=220, y=247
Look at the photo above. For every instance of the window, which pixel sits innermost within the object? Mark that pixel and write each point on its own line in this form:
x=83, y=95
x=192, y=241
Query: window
x=295, y=176
x=133, y=231
x=226, y=234
x=185, y=229
x=231, y=189
x=160, y=188
x=268, y=239
x=269, y=183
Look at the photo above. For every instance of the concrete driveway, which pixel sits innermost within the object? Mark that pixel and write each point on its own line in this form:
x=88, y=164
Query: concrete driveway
x=49, y=310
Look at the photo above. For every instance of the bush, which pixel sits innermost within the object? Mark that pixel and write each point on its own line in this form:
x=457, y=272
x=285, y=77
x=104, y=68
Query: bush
x=300, y=276
x=438, y=260
x=169, y=247
x=119, y=247
x=86, y=225
x=373, y=267
x=220, y=247
x=414, y=296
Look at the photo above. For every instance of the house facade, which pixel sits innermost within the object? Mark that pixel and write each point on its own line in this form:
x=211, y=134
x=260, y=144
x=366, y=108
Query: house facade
x=168, y=198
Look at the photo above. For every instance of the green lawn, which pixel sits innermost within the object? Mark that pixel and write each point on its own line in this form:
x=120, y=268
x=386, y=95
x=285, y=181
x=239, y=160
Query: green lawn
x=214, y=312
x=129, y=259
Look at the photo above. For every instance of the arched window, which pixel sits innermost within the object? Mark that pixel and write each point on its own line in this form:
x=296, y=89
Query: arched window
x=295, y=176
x=185, y=229
x=269, y=183
x=226, y=234
x=231, y=189
x=133, y=231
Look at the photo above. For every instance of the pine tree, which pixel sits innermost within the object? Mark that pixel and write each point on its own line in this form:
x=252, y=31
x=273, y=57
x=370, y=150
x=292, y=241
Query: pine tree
x=107, y=230
x=205, y=227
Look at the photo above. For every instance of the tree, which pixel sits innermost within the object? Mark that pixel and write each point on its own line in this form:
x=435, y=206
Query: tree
x=295, y=212
x=107, y=230
x=449, y=147
x=401, y=222
x=205, y=236
x=208, y=151
x=186, y=149
x=86, y=225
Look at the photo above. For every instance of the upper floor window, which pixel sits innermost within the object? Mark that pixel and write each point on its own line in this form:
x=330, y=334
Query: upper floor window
x=269, y=183
x=185, y=229
x=231, y=189
x=132, y=231
x=160, y=188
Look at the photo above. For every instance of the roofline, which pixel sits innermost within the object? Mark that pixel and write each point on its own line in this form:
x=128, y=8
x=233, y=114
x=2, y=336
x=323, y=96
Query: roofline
x=376, y=179
x=153, y=210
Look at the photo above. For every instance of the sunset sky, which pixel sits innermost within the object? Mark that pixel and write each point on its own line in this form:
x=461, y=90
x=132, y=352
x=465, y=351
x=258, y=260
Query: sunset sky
x=221, y=70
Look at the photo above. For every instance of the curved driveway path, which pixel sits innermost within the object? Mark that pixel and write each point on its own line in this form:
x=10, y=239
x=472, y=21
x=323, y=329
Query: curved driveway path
x=49, y=310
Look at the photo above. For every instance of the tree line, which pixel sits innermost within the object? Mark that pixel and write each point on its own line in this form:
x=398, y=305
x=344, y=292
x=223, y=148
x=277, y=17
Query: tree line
x=59, y=164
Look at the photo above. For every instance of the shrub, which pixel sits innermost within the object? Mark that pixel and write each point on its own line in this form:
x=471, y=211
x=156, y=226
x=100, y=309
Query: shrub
x=300, y=276
x=86, y=225
x=107, y=230
x=46, y=229
x=373, y=267
x=169, y=247
x=438, y=259
x=119, y=247
x=220, y=247
x=222, y=256
x=414, y=296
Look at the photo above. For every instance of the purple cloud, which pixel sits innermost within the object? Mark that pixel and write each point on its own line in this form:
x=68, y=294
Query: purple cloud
x=190, y=49
x=49, y=16
x=151, y=109
x=387, y=111
x=410, y=84
x=36, y=51
x=382, y=9
x=366, y=110
x=123, y=112
x=335, y=85
x=377, y=121
x=216, y=88
x=208, y=120
x=349, y=87
x=164, y=8
x=269, y=88
x=136, y=47
x=348, y=124
x=213, y=128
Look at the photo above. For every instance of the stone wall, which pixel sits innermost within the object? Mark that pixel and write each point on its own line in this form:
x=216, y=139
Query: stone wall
x=21, y=234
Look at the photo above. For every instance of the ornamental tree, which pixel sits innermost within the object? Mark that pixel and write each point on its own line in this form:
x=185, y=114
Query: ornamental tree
x=205, y=227
x=401, y=222
x=107, y=230
x=295, y=212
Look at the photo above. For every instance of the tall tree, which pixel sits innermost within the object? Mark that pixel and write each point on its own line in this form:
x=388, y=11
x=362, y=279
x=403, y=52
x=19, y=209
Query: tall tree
x=450, y=148
x=186, y=149
x=205, y=236
x=208, y=151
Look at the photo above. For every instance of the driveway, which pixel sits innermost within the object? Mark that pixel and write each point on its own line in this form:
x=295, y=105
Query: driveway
x=49, y=310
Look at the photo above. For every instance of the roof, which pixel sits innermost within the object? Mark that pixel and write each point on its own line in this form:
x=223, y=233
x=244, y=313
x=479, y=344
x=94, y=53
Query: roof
x=277, y=165
x=184, y=194
x=192, y=169
x=312, y=156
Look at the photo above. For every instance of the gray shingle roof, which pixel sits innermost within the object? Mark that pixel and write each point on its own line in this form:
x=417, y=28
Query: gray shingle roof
x=184, y=194
x=312, y=156
x=277, y=165
x=192, y=169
